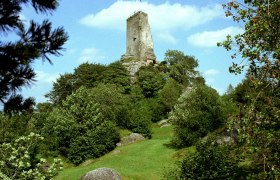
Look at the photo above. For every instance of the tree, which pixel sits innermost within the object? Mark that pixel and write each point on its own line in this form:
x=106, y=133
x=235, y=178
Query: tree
x=113, y=104
x=79, y=130
x=198, y=112
x=169, y=94
x=150, y=80
x=35, y=41
x=259, y=44
x=181, y=67
x=89, y=75
x=117, y=74
x=64, y=86
x=258, y=121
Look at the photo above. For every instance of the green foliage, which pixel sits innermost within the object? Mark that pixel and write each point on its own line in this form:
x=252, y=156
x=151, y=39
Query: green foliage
x=117, y=74
x=64, y=86
x=198, y=112
x=89, y=75
x=257, y=126
x=77, y=123
x=169, y=94
x=150, y=80
x=140, y=117
x=259, y=43
x=113, y=104
x=181, y=67
x=34, y=41
x=94, y=143
x=12, y=127
x=17, y=160
x=211, y=161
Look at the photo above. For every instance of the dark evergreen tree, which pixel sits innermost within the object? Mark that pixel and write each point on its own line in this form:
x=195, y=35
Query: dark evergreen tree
x=35, y=41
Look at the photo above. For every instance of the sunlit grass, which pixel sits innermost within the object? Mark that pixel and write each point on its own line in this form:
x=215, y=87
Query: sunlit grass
x=143, y=160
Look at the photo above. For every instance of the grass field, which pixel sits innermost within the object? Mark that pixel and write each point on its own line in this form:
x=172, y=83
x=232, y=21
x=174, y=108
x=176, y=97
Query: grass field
x=143, y=160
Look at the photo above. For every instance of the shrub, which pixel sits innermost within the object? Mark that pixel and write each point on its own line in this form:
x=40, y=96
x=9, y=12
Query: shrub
x=12, y=127
x=198, y=112
x=140, y=119
x=79, y=129
x=17, y=160
x=211, y=161
x=94, y=143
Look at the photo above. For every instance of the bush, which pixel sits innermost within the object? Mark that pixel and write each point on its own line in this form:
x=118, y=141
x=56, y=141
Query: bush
x=79, y=129
x=211, y=161
x=198, y=112
x=12, y=127
x=94, y=143
x=140, y=119
x=17, y=160
x=169, y=94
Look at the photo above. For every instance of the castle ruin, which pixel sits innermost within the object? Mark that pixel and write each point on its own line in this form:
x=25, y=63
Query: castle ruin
x=139, y=43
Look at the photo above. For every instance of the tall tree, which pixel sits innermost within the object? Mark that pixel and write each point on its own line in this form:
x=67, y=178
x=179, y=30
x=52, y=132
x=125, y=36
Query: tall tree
x=181, y=67
x=259, y=43
x=258, y=124
x=35, y=41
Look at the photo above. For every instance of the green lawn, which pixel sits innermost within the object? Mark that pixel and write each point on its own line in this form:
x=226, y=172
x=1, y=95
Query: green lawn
x=142, y=160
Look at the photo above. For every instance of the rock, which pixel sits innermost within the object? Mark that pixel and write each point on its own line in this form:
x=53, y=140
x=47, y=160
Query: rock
x=225, y=140
x=133, y=137
x=101, y=174
x=164, y=123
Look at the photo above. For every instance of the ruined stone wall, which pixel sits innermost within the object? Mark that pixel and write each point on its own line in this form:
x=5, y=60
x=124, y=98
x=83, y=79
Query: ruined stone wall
x=139, y=42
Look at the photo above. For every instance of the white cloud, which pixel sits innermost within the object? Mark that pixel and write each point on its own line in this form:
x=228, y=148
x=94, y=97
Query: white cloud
x=43, y=77
x=210, y=38
x=211, y=72
x=91, y=55
x=163, y=17
x=166, y=37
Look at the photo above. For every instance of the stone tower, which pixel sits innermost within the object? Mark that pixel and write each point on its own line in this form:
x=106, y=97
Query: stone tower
x=139, y=43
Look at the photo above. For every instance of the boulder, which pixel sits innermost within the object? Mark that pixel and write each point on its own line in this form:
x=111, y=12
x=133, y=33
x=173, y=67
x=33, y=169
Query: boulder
x=133, y=137
x=101, y=174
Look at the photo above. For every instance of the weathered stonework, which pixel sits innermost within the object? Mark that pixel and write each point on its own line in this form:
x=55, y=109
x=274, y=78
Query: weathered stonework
x=139, y=43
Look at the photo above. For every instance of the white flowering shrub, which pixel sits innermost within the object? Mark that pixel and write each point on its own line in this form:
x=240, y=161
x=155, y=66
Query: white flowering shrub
x=17, y=160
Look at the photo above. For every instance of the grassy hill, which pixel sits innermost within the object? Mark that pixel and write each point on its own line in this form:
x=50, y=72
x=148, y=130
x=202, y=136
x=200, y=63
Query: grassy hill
x=143, y=160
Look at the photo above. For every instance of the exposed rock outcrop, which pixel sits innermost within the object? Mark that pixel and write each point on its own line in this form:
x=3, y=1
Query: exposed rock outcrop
x=133, y=137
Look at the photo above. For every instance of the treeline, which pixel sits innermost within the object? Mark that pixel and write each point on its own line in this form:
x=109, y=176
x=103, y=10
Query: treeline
x=89, y=108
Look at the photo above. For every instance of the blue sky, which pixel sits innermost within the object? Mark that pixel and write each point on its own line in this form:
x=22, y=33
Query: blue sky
x=98, y=35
